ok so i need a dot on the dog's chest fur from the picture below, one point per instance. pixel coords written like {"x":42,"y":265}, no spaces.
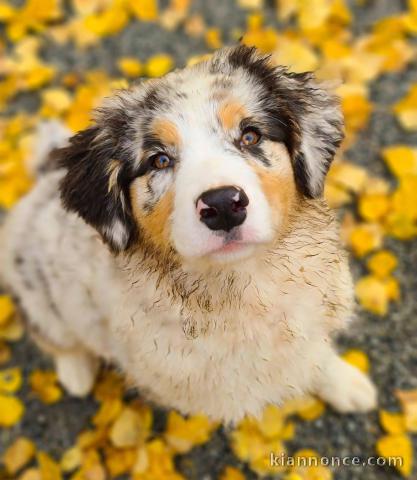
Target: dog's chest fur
{"x":193,"y":342}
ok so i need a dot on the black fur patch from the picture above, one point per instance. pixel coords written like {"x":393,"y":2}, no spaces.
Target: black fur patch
{"x":84,"y":189}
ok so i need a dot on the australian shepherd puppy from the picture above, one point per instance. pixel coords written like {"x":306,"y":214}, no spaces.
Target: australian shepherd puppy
{"x":184,"y":237}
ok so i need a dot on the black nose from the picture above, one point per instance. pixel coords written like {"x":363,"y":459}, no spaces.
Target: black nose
{"x":223,"y":208}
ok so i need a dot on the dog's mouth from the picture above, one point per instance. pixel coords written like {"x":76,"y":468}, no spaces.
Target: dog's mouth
{"x":233,"y":250}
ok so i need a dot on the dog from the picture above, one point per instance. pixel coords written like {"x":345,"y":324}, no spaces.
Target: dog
{"x":184,"y":237}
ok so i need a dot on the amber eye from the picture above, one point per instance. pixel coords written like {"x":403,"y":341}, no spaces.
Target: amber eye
{"x":161,"y":161}
{"x":249,"y":137}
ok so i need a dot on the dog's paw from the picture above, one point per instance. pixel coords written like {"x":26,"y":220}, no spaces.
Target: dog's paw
{"x":76,"y":372}
{"x":347,"y":389}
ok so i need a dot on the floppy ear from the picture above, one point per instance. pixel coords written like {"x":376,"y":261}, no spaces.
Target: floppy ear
{"x":320,"y":130}
{"x":95,"y":186}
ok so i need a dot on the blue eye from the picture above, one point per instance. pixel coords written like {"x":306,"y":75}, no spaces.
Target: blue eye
{"x":249,"y":137}
{"x":161,"y":161}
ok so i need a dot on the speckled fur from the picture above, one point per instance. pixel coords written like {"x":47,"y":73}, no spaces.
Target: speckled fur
{"x":106,"y":261}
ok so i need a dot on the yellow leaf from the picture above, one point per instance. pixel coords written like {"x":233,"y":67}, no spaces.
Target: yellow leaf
{"x":92,"y":467}
{"x":44,"y":385}
{"x":55,"y":101}
{"x":159,"y":65}
{"x":401,"y":160}
{"x":372,"y":294}
{"x":90,"y":439}
{"x":335,"y":195}
{"x":49,"y":469}
{"x":108,"y":21}
{"x":10,"y":380}
{"x":11,"y":410}
{"x":18,"y":454}
{"x":355,"y":106}
{"x":120,"y":461}
{"x":310,"y":408}
{"x":213,"y":38}
{"x":364,"y":238}
{"x":31,"y":474}
{"x":145,"y":10}
{"x":406,"y":109}
{"x":110,"y":385}
{"x":109,"y":410}
{"x":373,"y":207}
{"x":6,"y":309}
{"x":129,"y":66}
{"x":154,"y":462}
{"x":128,"y":430}
{"x":358,"y":359}
{"x":5,"y":353}
{"x":71,"y":459}
{"x":393,"y":423}
{"x":382,"y":263}
{"x":297,"y":54}
{"x":348,"y":176}
{"x":397,"y":446}
{"x":271,"y":422}
{"x":182,"y":434}
{"x":408,"y":401}
{"x":231,"y":473}
{"x":392,"y":288}
{"x":12,"y":331}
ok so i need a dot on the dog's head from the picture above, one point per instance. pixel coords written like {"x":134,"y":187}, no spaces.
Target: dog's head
{"x":207,"y":161}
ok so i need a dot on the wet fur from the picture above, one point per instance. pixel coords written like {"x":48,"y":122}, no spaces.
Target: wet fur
{"x":97,"y":258}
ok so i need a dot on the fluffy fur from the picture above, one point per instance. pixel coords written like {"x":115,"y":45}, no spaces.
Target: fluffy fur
{"x":108,"y":256}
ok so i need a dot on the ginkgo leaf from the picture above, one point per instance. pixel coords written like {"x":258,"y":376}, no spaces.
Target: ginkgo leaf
{"x":11,"y":410}
{"x":400,"y":446}
{"x":18,"y":454}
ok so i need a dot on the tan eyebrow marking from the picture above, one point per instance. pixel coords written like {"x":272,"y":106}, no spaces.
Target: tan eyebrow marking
{"x":231,"y":113}
{"x":166,"y":131}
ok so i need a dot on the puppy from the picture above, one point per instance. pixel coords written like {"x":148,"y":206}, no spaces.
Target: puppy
{"x":184,"y":237}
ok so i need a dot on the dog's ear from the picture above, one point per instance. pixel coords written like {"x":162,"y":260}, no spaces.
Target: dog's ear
{"x":320,"y":131}
{"x":95,"y":186}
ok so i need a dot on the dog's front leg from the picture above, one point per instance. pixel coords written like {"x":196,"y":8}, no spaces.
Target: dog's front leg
{"x":343,"y":386}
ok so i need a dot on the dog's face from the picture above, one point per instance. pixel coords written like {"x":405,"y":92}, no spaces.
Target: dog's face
{"x":206,"y":162}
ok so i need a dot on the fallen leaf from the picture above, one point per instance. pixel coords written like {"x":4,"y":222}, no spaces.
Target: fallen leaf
{"x":10,"y":380}
{"x":399,"y":446}
{"x":71,"y":459}
{"x":11,"y":410}
{"x":358,"y":359}
{"x":18,"y":454}
{"x":44,"y":385}
{"x":406,"y":109}
{"x":159,"y":65}
{"x":231,"y":473}
{"x":130,"y":66}
{"x":382,"y":263}
{"x":372,"y":294}
{"x":392,"y":422}
{"x":6,"y":309}
{"x":128,"y":430}
{"x":408,"y":401}
{"x":182,"y":434}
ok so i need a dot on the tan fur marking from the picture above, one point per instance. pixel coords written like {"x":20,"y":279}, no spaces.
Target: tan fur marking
{"x":280,"y":191}
{"x":166,"y":131}
{"x":230,"y":114}
{"x":154,"y":224}
{"x":113,"y":171}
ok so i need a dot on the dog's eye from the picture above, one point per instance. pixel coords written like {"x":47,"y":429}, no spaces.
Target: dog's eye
{"x":249,"y":137}
{"x":161,"y":161}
